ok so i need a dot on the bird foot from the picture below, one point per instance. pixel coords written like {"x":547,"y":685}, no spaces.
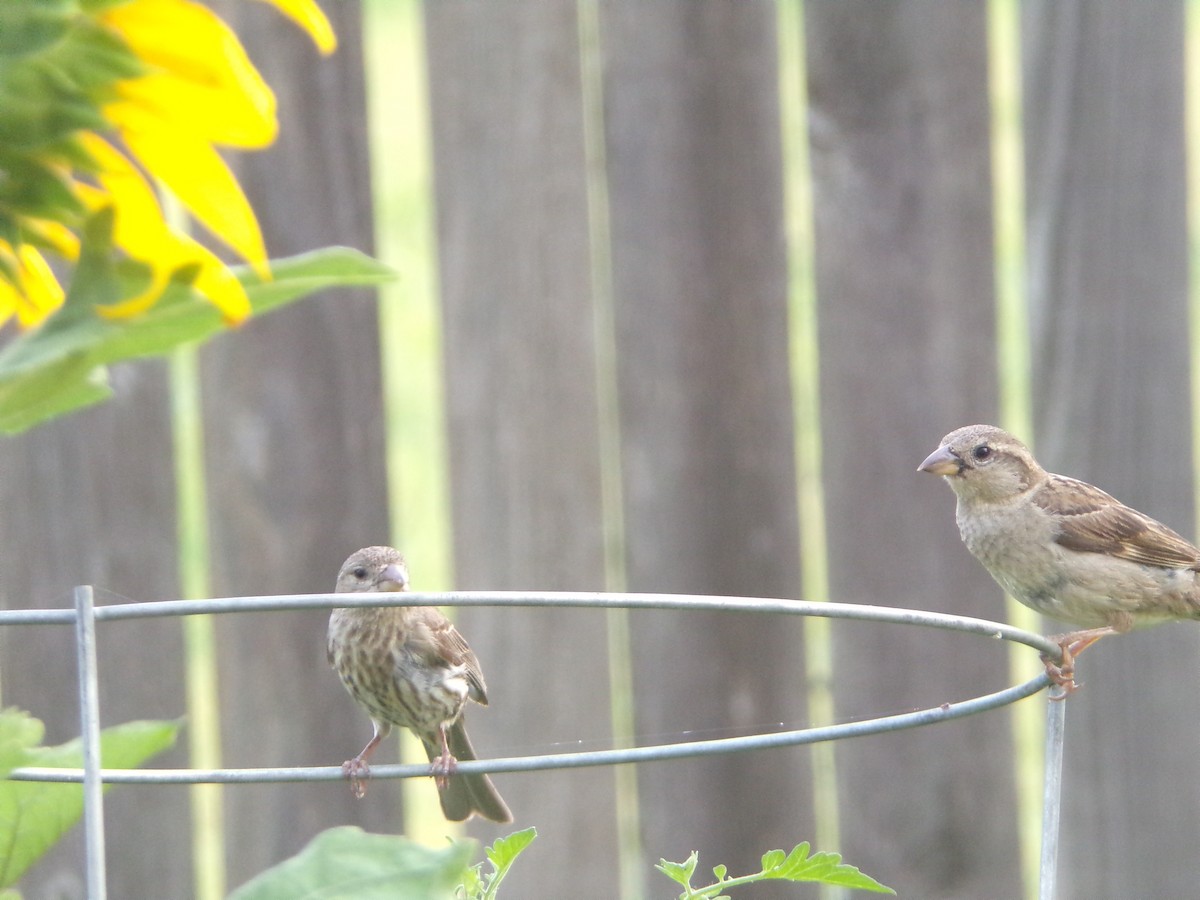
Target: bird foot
{"x":442,"y":768}
{"x":357,"y":771}
{"x":1062,"y":673}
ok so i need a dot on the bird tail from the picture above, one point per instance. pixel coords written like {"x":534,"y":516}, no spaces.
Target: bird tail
{"x":466,"y":794}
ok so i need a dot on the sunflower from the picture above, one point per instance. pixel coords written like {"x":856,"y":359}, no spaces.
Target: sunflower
{"x":98,"y":100}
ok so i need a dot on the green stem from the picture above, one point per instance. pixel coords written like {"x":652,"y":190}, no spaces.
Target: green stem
{"x":200,"y":667}
{"x":620,"y":654}
{"x":805,"y":376}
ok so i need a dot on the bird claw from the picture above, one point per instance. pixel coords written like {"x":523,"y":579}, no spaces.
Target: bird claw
{"x":1062,"y":676}
{"x":357,"y":771}
{"x":442,"y":768}
{"x":1062,"y":673}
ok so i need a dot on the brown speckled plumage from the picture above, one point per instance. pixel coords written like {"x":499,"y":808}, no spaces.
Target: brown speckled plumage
{"x":409,"y":666}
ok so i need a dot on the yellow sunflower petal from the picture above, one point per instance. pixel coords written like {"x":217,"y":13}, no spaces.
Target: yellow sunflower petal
{"x":40,"y":292}
{"x":139,"y":216}
{"x":199,"y":72}
{"x":30,"y":289}
{"x":54,"y":234}
{"x":309,"y":16}
{"x":196,"y":174}
{"x":10,"y":297}
{"x":232,"y":119}
{"x":139,"y":228}
{"x":138,"y":303}
{"x":141,"y":232}
{"x":8,"y":301}
{"x":216,"y":282}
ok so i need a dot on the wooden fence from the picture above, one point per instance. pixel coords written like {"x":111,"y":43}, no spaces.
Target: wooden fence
{"x":650,"y":316}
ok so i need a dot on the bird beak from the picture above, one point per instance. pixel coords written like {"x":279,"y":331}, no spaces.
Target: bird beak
{"x":392,"y":578}
{"x":941,"y":462}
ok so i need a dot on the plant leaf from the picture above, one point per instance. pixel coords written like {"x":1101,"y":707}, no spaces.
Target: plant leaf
{"x":826,"y":868}
{"x":347,"y":863}
{"x":19,"y":733}
{"x":679,"y":872}
{"x":506,"y":849}
{"x":34,"y":814}
{"x":470,"y":885}
{"x":502,"y":854}
{"x":772,"y":859}
{"x":60,"y":366}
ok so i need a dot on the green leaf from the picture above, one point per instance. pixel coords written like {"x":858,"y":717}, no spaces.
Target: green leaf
{"x":34,"y":814}
{"x":98,"y":6}
{"x":470,"y":885}
{"x":60,"y":367}
{"x":506,"y":849}
{"x":347,"y":863}
{"x":34,"y":186}
{"x":502,"y":854}
{"x":19,"y":733}
{"x":30,"y":399}
{"x":680,"y":872}
{"x":826,"y":868}
{"x":772,"y":858}
{"x":56,"y":88}
{"x":26,"y":28}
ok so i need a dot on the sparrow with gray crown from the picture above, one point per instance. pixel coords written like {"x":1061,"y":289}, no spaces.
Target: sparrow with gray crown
{"x":1062,"y":546}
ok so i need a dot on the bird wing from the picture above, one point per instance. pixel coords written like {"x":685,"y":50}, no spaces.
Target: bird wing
{"x":451,"y":649}
{"x":464,"y":655}
{"x":1091,"y":521}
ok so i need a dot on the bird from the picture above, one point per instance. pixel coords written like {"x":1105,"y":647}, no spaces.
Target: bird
{"x":408,"y":666}
{"x":1062,"y":546}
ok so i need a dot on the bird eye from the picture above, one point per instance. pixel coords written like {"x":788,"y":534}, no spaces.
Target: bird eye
{"x":360,"y":572}
{"x":981,"y":453}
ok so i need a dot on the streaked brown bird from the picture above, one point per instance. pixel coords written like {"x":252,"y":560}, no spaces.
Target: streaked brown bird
{"x":1062,"y":546}
{"x":409,"y":666}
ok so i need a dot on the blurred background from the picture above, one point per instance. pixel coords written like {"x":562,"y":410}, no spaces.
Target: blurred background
{"x":687,"y":291}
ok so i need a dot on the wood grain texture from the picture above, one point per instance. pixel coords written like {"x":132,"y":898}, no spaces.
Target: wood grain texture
{"x":512,"y":227}
{"x":699,"y":275}
{"x":901,"y":188}
{"x":1108,"y":282}
{"x":294,"y":442}
{"x":89,"y":499}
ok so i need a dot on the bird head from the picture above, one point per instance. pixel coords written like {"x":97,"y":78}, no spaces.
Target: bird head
{"x":373,"y":569}
{"x":983,"y":463}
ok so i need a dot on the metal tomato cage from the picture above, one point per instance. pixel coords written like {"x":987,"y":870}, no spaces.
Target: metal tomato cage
{"x":85,"y":615}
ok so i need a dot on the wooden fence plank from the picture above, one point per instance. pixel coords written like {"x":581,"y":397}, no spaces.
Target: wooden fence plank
{"x":522,"y":411}
{"x":700,"y":283}
{"x":900,"y":160}
{"x":90,"y":500}
{"x":1108,"y":279}
{"x":899,"y":137}
{"x":293,"y":419}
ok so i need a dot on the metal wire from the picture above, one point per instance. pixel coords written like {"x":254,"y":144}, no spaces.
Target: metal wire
{"x":89,"y":725}
{"x":569,"y":599}
{"x":1056,"y":724}
{"x":85,"y":616}
{"x":566,"y":760}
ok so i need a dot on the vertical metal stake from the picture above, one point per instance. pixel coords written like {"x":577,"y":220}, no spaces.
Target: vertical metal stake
{"x":1056,"y":716}
{"x":89,"y":729}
